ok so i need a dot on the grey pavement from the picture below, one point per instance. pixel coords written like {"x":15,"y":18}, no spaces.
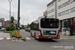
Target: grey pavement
{"x":67,"y":36}
{"x":27,"y":34}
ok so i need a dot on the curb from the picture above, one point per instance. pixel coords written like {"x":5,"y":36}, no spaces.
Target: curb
{"x":68,"y":37}
{"x":9,"y":33}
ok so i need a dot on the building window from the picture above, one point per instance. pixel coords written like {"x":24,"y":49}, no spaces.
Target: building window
{"x":51,"y":5}
{"x":51,"y":16}
{"x":65,"y":4}
{"x":73,"y":9}
{"x":66,"y":12}
{"x":59,"y":14}
{"x":50,"y":11}
{"x":71,"y":1}
{"x":59,"y":0}
{"x":67,"y":23}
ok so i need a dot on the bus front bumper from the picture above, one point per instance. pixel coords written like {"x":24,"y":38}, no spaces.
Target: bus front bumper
{"x":44,"y":37}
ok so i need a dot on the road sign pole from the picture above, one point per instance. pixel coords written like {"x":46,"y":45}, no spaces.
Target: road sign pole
{"x":18,"y":32}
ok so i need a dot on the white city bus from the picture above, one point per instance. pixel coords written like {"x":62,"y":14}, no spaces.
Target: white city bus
{"x":45,"y":28}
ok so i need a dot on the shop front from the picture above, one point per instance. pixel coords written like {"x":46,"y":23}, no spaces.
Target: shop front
{"x":73,"y":22}
{"x":66,"y":24}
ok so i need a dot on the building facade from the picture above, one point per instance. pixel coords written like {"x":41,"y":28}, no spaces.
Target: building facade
{"x":6,"y":24}
{"x":45,"y":13}
{"x":63,"y":10}
{"x":51,"y":9}
{"x":1,"y":22}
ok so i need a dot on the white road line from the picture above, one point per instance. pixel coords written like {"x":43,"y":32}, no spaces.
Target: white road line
{"x":8,"y":38}
{"x":27,"y":38}
{"x":1,"y":38}
{"x":32,"y":38}
{"x":64,"y":38}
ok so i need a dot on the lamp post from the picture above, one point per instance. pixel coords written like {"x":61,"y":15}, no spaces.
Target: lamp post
{"x":13,"y":13}
{"x":18,"y":32}
{"x":10,"y":13}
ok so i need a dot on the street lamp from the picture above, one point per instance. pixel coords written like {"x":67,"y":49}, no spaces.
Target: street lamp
{"x":18,"y":32}
{"x":13,"y":13}
{"x":10,"y":13}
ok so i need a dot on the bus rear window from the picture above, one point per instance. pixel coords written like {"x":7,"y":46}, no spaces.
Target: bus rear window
{"x":49,"y":23}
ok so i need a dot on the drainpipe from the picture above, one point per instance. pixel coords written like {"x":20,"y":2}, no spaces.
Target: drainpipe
{"x":55,"y":8}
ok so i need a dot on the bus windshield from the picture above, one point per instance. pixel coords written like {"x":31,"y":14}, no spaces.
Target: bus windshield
{"x":49,"y":23}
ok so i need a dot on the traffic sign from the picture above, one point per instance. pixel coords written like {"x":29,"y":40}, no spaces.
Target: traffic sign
{"x":18,"y":28}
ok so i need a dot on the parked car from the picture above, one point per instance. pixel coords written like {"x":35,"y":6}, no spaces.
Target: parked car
{"x":27,"y":29}
{"x":2,"y":29}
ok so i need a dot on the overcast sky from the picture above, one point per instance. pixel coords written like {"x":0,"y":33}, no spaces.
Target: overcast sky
{"x":30,"y":9}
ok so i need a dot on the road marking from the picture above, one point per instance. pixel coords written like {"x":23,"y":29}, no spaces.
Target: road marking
{"x":64,"y":38}
{"x":32,"y":38}
{"x":5,"y":38}
{"x":27,"y":38}
{"x":1,"y":38}
{"x":8,"y":38}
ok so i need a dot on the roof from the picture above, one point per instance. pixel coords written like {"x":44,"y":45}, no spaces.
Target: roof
{"x":51,"y":2}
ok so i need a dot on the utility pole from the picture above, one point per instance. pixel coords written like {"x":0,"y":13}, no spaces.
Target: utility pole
{"x":13,"y":13}
{"x":18,"y":28}
{"x":10,"y":13}
{"x":55,"y":8}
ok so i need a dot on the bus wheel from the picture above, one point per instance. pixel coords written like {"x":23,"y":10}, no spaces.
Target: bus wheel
{"x":31,"y":34}
{"x":35,"y":36}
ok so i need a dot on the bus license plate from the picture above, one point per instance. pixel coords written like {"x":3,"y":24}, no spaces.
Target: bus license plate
{"x":49,"y":32}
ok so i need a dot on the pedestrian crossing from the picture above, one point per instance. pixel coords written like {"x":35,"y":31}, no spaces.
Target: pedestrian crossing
{"x":64,"y":38}
{"x":27,"y":38}
{"x":4,"y":36}
{"x":5,"y":39}
{"x":1,"y":38}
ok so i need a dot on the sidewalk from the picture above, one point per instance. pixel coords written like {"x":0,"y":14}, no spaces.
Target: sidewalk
{"x":4,"y":36}
{"x":68,"y":37}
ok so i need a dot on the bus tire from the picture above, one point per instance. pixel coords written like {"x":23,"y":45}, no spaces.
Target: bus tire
{"x":31,"y":34}
{"x":35,"y":36}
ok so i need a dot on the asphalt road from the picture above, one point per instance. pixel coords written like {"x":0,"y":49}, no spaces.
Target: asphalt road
{"x":32,"y":44}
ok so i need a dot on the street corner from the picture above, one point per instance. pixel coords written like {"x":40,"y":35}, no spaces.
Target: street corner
{"x":4,"y":36}
{"x":16,"y":39}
